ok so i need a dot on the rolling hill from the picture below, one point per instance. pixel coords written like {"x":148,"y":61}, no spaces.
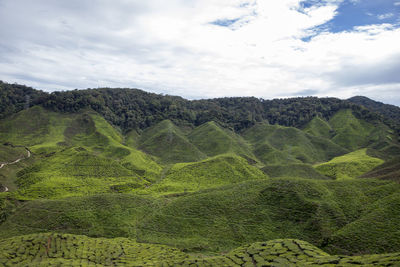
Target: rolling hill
{"x":125,"y":177}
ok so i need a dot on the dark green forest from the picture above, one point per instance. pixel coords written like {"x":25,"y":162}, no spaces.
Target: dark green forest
{"x":136,"y":109}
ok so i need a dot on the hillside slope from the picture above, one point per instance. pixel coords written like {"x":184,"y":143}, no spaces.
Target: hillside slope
{"x":274,"y":144}
{"x":167,"y":142}
{"x":213,"y":140}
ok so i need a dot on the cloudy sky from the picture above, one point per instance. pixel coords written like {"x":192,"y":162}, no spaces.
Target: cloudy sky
{"x":205,"y":48}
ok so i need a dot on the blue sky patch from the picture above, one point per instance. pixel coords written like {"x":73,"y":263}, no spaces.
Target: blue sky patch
{"x":225,"y":22}
{"x":358,"y":13}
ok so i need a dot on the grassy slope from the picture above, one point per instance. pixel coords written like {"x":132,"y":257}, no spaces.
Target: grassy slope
{"x":349,"y":166}
{"x":46,"y":133}
{"x":212,"y":172}
{"x":74,"y":172}
{"x":10,"y":154}
{"x":220,"y":219}
{"x":105,"y":215}
{"x":353,"y":133}
{"x":8,"y":172}
{"x":299,"y":170}
{"x":389,"y":170}
{"x":377,"y":231}
{"x":64,"y":249}
{"x":213,"y":140}
{"x":275,"y":144}
{"x":319,"y":127}
{"x":167,"y":142}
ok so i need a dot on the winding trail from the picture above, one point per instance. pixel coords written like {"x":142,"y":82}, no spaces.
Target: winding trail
{"x":15,"y":161}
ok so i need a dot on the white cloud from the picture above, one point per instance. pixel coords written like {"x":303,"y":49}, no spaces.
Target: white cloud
{"x":173,"y":48}
{"x":385,"y":16}
{"x":396,"y":3}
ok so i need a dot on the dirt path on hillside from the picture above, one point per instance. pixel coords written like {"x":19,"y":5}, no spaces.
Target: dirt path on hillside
{"x":15,"y":161}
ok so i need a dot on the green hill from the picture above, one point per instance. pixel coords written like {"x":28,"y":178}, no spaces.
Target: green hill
{"x":212,"y":172}
{"x":10,"y":154}
{"x":46,"y":132}
{"x":350,"y":165}
{"x":167,"y":142}
{"x":223,"y":218}
{"x":299,"y":170}
{"x":389,"y":170}
{"x":377,"y":230}
{"x":172,"y":182}
{"x":319,"y":127}
{"x":103,"y":215}
{"x":213,"y":140}
{"x":350,"y":132}
{"x":74,"y":172}
{"x":274,"y":144}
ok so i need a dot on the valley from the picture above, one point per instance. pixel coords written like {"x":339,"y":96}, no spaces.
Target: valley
{"x":164,"y":181}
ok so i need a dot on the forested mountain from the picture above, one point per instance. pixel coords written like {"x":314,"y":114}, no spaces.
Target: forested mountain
{"x":390,"y":112}
{"x":125,"y":177}
{"x":136,"y":109}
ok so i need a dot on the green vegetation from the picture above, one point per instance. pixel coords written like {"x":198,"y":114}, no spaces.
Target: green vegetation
{"x":377,"y":230}
{"x":63,"y":249}
{"x":212,"y":172}
{"x":389,"y":170}
{"x":319,"y":127}
{"x":135,"y":109}
{"x":350,"y":132}
{"x":213,"y":140}
{"x":10,"y":154}
{"x":226,"y":217}
{"x":175,"y":182}
{"x":74,"y":172}
{"x":299,"y":170}
{"x":274,"y":144}
{"x":104,"y":215}
{"x":349,"y":166}
{"x":167,"y":142}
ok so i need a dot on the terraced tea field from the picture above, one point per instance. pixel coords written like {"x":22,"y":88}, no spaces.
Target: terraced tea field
{"x":72,"y":250}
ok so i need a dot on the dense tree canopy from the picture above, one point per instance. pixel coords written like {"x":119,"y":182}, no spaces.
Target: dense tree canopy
{"x":136,"y":109}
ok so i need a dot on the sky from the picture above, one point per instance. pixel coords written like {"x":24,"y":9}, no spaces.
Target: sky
{"x":205,"y":48}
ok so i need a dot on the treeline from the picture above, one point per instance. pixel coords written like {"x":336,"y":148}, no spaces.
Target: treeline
{"x":390,"y":112}
{"x":15,"y":97}
{"x":136,"y":109}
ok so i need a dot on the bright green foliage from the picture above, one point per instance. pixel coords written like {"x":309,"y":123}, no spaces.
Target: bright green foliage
{"x":319,"y":127}
{"x":46,"y":132}
{"x":389,"y":170}
{"x":274,"y":144}
{"x":229,"y":216}
{"x":9,"y":172}
{"x":213,"y":140}
{"x":9,"y":154}
{"x":74,"y":172}
{"x":299,"y":170}
{"x":212,"y":172}
{"x":62,"y":249}
{"x":35,"y":128}
{"x":377,"y":231}
{"x":105,"y":215}
{"x":350,"y":132}
{"x":73,"y":250}
{"x":289,"y":252}
{"x":222,"y":218}
{"x":167,"y":142}
{"x":349,"y":166}
{"x":131,"y":139}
